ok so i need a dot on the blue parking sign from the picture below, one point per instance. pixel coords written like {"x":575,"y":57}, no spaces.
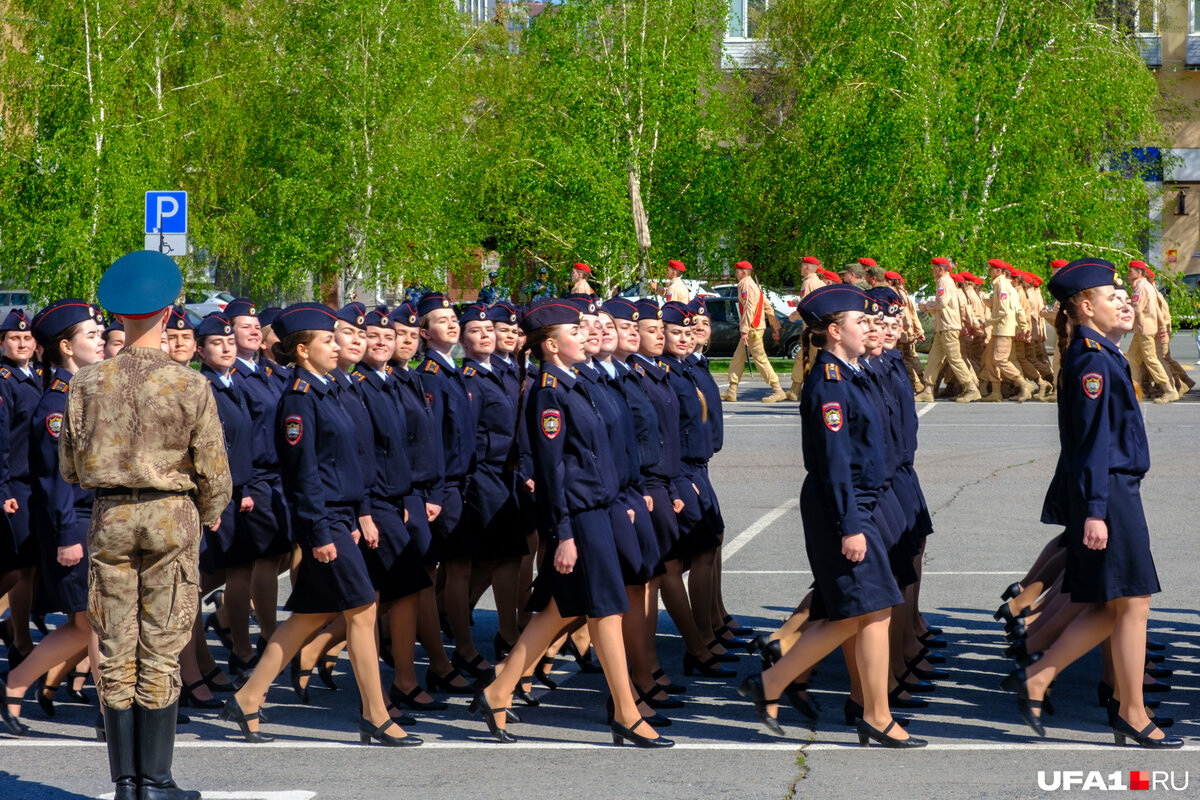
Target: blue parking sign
{"x":168,"y":209}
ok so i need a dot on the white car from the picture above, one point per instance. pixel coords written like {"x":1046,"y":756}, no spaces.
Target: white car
{"x":696,"y":288}
{"x":784,"y":304}
{"x":205,"y":303}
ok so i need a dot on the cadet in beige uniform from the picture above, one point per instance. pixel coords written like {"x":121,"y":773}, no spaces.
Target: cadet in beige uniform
{"x":974,"y":340}
{"x":142,"y":433}
{"x":911,"y":332}
{"x":810,"y":266}
{"x":579,"y":276}
{"x":1050,"y":314}
{"x":1147,"y":329}
{"x":1037,"y":341}
{"x":947,"y":325}
{"x":674,"y":290}
{"x":1006,"y":321}
{"x":754,"y":312}
{"x":1183,"y":384}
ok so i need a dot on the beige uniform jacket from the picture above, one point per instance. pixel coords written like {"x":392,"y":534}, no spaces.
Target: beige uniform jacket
{"x":811,"y":283}
{"x":1145,"y":307}
{"x":752,"y":306}
{"x":1007,"y":316}
{"x":970,"y":316}
{"x":1164,"y":314}
{"x":945,"y":306}
{"x":676,"y":291}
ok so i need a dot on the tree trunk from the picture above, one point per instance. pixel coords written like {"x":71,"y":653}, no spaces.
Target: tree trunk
{"x":641,"y":225}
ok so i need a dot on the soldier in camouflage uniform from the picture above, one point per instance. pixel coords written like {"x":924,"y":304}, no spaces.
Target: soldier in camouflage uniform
{"x":143,"y":434}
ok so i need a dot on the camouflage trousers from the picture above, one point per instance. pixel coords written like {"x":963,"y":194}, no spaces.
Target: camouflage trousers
{"x":143,"y":591}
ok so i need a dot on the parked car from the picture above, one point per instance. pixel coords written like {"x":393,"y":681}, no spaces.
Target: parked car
{"x":782,"y":301}
{"x":697,"y":289}
{"x":723,"y":313}
{"x":11,"y":299}
{"x":204,"y":303}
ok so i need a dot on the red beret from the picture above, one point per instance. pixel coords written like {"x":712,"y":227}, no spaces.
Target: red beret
{"x":977,"y":279}
{"x":1058,"y":263}
{"x":583,"y":268}
{"x":893,"y":276}
{"x":941,"y":261}
{"x":677,"y":265}
{"x":1149,"y":273}
{"x":957,"y":276}
{"x":833,"y":276}
{"x":743,"y":265}
{"x":996,"y":263}
{"x":1138,"y":264}
{"x":1037,"y":281}
{"x":812,"y":260}
{"x":968,"y":275}
{"x":868,"y":262}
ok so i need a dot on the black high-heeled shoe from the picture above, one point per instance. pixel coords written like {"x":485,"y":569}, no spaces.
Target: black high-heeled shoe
{"x":409,"y":699}
{"x":187,"y":697}
{"x":752,"y":689}
{"x":1016,"y":682}
{"x":1159,"y":672}
{"x":935,"y":630}
{"x":1122,"y":730}
{"x":1155,"y":646}
{"x":802,"y":704}
{"x":325,"y":665}
{"x":11,"y":721}
{"x":368,"y":732}
{"x":524,"y":691}
{"x":224,"y":635}
{"x":471,"y":667}
{"x":445,"y":683}
{"x":932,"y":642}
{"x":769,"y":650}
{"x":296,"y":673}
{"x":46,"y":701}
{"x":621,"y":734}
{"x":926,"y":674}
{"x":669,"y":688}
{"x":15,"y":657}
{"x":480,"y":706}
{"x":1114,"y":710}
{"x":501,"y":647}
{"x":867,"y":734}
{"x":710,"y":668}
{"x":1016,"y":630}
{"x":39,"y":622}
{"x":541,"y":672}
{"x":934,"y":658}
{"x":1018,"y":652}
{"x":655,"y":720}
{"x":1004,"y":614}
{"x":214,"y":687}
{"x":853,"y":712}
{"x":77,"y":696}
{"x":922,"y":686}
{"x":1155,"y":688}
{"x":238,"y":665}
{"x":730,"y":642}
{"x":657,"y":698}
{"x":1155,"y":658}
{"x":1012,"y":591}
{"x":232,"y":712}
{"x":896,"y":701}
{"x":585,"y":662}
{"x":396,"y":715}
{"x":738,"y":630}
{"x":724,"y":658}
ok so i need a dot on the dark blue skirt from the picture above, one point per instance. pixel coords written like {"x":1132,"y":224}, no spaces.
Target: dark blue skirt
{"x":395,"y":565}
{"x":889,"y":517}
{"x":451,"y":539}
{"x":263,"y":531}
{"x":1125,"y":567}
{"x":912,"y":499}
{"x":227,"y":546}
{"x":596,"y":587}
{"x":664,"y":520}
{"x":64,"y":589}
{"x":636,"y":543}
{"x":493,"y":516}
{"x":339,"y":585}
{"x":24,"y":550}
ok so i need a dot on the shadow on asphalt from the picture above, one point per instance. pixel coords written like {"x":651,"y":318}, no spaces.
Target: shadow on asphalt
{"x":12,"y":786}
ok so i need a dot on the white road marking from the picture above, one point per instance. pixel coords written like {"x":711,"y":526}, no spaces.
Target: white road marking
{"x":762,"y":523}
{"x":1032,"y":747}
{"x":928,"y":407}
{"x":295,"y":794}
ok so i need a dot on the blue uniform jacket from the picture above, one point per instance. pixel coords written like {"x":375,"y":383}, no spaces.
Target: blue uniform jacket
{"x":278,"y":371}
{"x":319,"y":456}
{"x":902,"y":390}
{"x":695,"y":438}
{"x":426,"y":457}
{"x":492,"y":483}
{"x":666,"y":406}
{"x":698,"y":368}
{"x":351,"y":397}
{"x":607,"y":398}
{"x":20,"y":394}
{"x":54,"y":500}
{"x":511,"y":374}
{"x":1100,"y":429}
{"x":238,"y":427}
{"x":645,"y":418}
{"x":573,"y":461}
{"x":452,"y":405}
{"x":875,"y":379}
{"x":262,"y":390}
{"x":841,"y":440}
{"x":393,"y":471}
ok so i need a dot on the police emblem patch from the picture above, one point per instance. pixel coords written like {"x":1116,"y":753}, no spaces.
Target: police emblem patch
{"x":551,"y":422}
{"x":54,"y":423}
{"x":293,"y":429}
{"x":1093,"y":384}
{"x":832,"y":413}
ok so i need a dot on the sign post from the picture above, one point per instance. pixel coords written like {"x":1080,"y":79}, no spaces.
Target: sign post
{"x":166,"y":222}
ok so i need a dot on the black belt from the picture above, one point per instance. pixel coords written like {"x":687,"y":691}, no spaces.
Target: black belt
{"x":126,"y":493}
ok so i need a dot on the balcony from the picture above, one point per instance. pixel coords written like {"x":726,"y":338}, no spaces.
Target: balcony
{"x":741,"y":53}
{"x":1150,"y":46}
{"x":1192,"y":59}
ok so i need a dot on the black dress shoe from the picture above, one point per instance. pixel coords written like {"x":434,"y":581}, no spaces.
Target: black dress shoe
{"x":752,"y":689}
{"x":501,"y":647}
{"x":542,"y":672}
{"x":325,"y":665}
{"x":46,"y":701}
{"x":934,"y":658}
{"x":724,"y":658}
{"x":1122,"y":730}
{"x":657,"y":697}
{"x":212,"y":623}
{"x":12,"y":723}
{"x":794,"y":694}
{"x":187,"y":697}
{"x":709,"y":669}
{"x":1015,"y":682}
{"x":921,"y":686}
{"x":669,"y":688}
{"x":1160,"y":672}
{"x":217,"y":688}
{"x":1012,"y":591}
{"x":409,"y":699}
{"x":584,"y":660}
{"x":1155,"y":646}
{"x":621,"y":734}
{"x":1155,"y":688}
{"x":445,"y":683}
{"x":238,"y":665}
{"x":233,"y":712}
{"x":480,"y":705}
{"x":896,"y":701}
{"x":524,"y":692}
{"x":76,"y":695}
{"x":473,"y":667}
{"x":928,"y":674}
{"x":932,"y":642}
{"x":368,"y":733}
{"x":853,"y":712}
{"x":867,"y":734}
{"x":727,"y":621}
{"x":730,"y":642}
{"x":296,"y":672}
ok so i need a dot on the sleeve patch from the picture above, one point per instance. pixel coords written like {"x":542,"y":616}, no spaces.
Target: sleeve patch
{"x":832,"y":413}
{"x":549,"y":380}
{"x":941,"y":291}
{"x":300,"y":386}
{"x":58,"y":386}
{"x":833,"y":372}
{"x":431,"y":366}
{"x":1004,"y":295}
{"x":1093,"y":384}
{"x":551,"y":422}
{"x":293,"y":429}
{"x":54,"y":423}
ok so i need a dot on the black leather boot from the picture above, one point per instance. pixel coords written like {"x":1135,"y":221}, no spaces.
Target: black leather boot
{"x":122,"y":751}
{"x":156,"y":751}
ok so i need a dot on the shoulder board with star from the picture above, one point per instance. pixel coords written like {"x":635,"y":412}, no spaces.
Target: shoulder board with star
{"x":58,"y":386}
{"x":665,"y":367}
{"x":38,"y":371}
{"x":358,"y":376}
{"x":268,"y":370}
{"x":431,"y":366}
{"x":300,"y":386}
{"x":5,"y":373}
{"x":469,"y":372}
{"x":833,"y":372}
{"x":1091,"y":344}
{"x":389,"y":369}
{"x":639,"y":369}
{"x":549,"y":380}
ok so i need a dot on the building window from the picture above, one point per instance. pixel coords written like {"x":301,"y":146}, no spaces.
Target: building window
{"x":479,"y":10}
{"x":1194,"y":17}
{"x":1133,"y":16}
{"x":745,"y":18}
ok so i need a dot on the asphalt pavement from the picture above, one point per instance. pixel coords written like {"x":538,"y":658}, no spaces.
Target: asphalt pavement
{"x":984,"y":469}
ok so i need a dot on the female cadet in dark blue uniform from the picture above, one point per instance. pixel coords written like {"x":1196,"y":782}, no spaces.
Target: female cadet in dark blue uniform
{"x":443,"y":381}
{"x":70,"y":339}
{"x":428,"y":468}
{"x":324,"y":483}
{"x":20,"y":391}
{"x":576,"y":486}
{"x":181,"y":336}
{"x":843,"y":460}
{"x":1096,"y":495}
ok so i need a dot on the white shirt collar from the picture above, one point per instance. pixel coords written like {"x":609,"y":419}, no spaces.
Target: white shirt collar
{"x":249,"y":364}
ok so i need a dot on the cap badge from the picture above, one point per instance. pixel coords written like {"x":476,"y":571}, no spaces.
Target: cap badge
{"x":359,"y":320}
{"x":445,"y":303}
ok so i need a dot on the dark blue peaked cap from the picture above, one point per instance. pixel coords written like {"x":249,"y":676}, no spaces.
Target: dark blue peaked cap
{"x":834,"y":299}
{"x":304,"y":317}
{"x":1081,"y":274}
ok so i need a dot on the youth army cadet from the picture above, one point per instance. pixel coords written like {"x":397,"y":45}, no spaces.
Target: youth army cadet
{"x":810,"y":273}
{"x":754,"y":313}
{"x":143,"y":434}
{"x":579,"y":279}
{"x":912,"y":332}
{"x":674,"y":290}
{"x":948,"y":323}
{"x":1173,"y":367}
{"x":1006,"y":321}
{"x":1148,"y":330}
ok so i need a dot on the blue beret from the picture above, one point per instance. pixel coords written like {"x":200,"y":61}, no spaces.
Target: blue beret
{"x":889,"y":302}
{"x":178,"y":321}
{"x":241,"y":307}
{"x":648,"y":309}
{"x":1082,"y":274}
{"x":57,"y":317}
{"x":406,"y":314}
{"x":476,"y":312}
{"x":15,"y":321}
{"x":549,"y":311}
{"x":697,"y":307}
{"x":214,"y":325}
{"x":674,"y":313}
{"x":501,"y":311}
{"x":304,"y":317}
{"x":139,"y":284}
{"x":431,"y":302}
{"x":586,"y":303}
{"x":622,"y":308}
{"x":265,"y":317}
{"x":834,"y":299}
{"x":353,"y":314}
{"x":379,"y":317}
